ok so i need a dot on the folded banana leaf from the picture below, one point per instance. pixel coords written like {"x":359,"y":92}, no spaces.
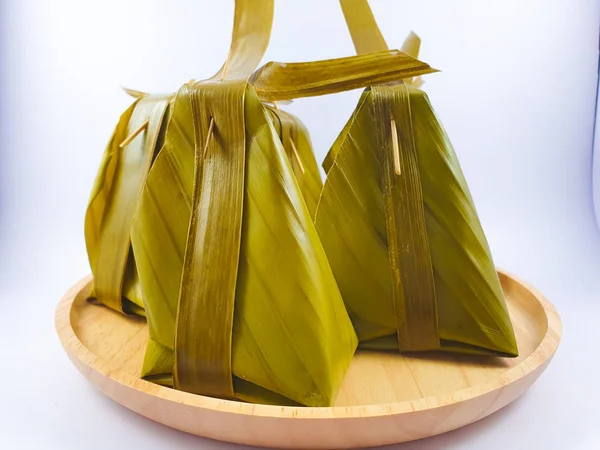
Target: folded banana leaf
{"x":277,"y":81}
{"x":121,"y":176}
{"x":401,"y":231}
{"x":291,"y":334}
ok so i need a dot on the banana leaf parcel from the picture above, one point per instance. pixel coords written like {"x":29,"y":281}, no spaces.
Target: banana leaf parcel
{"x":399,"y":225}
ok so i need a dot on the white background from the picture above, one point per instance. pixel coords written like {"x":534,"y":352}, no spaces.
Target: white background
{"x":516,"y":95}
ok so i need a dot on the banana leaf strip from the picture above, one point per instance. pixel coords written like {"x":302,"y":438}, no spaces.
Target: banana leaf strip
{"x":283,"y":81}
{"x":204,"y":320}
{"x":365,"y":33}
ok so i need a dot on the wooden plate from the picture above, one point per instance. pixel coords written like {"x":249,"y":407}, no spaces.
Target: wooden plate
{"x":386,"y":398}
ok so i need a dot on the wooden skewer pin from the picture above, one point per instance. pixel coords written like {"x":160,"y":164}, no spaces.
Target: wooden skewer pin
{"x":395,"y":146}
{"x":297,"y":156}
{"x":135,"y":134}
{"x":211,"y":127}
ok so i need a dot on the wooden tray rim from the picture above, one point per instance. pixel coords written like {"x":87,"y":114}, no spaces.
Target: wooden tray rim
{"x":79,"y":353}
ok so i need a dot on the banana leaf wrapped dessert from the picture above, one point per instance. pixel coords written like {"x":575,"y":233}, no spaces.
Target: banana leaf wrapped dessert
{"x":220,"y":246}
{"x":399,"y":225}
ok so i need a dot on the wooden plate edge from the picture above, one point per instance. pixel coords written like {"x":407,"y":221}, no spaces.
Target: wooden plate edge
{"x":90,"y":364}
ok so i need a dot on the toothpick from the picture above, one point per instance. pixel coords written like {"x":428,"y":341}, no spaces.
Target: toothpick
{"x":135,"y":134}
{"x":211,"y":126}
{"x":297,"y":156}
{"x":395,"y":146}
{"x":275,"y":105}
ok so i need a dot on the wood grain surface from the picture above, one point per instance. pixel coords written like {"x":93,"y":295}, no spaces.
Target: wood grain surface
{"x":386,"y":397}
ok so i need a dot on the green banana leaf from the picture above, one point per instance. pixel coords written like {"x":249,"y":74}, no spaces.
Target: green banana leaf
{"x":353,"y":222}
{"x":291,"y":334}
{"x":277,"y":81}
